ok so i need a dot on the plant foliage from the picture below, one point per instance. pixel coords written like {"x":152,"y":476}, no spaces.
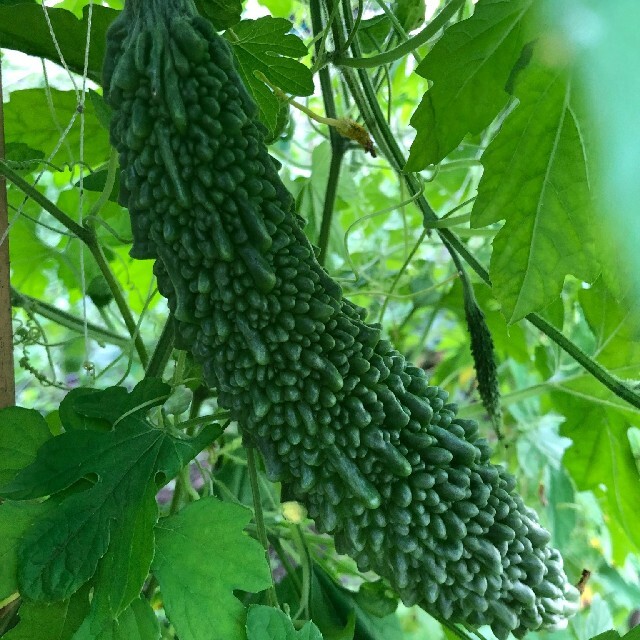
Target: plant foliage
{"x":487,"y":238}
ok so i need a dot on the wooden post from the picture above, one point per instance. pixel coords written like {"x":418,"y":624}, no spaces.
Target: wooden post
{"x":7,"y":376}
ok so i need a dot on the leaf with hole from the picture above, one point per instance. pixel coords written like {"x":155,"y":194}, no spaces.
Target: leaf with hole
{"x":107,"y":511}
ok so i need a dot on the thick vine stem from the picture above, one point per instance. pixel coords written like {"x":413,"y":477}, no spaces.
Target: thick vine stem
{"x":402,"y":50}
{"x":258,"y":515}
{"x":366,"y":100}
{"x":163,"y":350}
{"x":7,"y":376}
{"x":337,"y":155}
{"x":114,"y":286}
{"x":64,"y":319}
{"x":338,"y":143}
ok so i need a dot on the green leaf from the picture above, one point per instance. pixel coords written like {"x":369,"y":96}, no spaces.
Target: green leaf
{"x":97,"y":180}
{"x":600,"y":460}
{"x":535,"y":178}
{"x":267,"y":623}
{"x":633,"y":436}
{"x":57,"y":621}
{"x":615,"y":326}
{"x":410,"y":13}
{"x":116,"y":514}
{"x":222,"y":13}
{"x":469,"y":66}
{"x":22,"y":433}
{"x":74,"y":420}
{"x":373,"y":32}
{"x":30,"y":119}
{"x":24,"y":27}
{"x":102,"y":109}
{"x":598,"y":619}
{"x":607,"y":64}
{"x":202,"y":555}
{"x":265,"y":45}
{"x":31,"y":258}
{"x":332,"y":606}
{"x":561,"y":509}
{"x":137,"y":622}
{"x":15,"y":519}
{"x":376,"y":599}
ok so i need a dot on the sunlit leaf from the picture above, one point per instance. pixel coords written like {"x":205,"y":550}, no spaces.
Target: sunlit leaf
{"x":535,"y":178}
{"x":469,"y":67}
{"x":202,"y":555}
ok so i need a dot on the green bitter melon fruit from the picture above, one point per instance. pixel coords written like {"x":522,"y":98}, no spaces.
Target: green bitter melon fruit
{"x":355,"y":432}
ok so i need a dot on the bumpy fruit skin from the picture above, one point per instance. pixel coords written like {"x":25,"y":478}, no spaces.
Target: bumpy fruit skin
{"x":355,"y":432}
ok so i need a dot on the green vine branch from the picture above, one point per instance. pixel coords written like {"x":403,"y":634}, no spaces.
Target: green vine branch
{"x":88,"y":236}
{"x":68,"y":320}
{"x":163,"y":350}
{"x":338,"y":143}
{"x":406,"y":48}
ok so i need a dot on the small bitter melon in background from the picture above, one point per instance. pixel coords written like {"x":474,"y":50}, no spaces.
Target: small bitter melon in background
{"x":355,"y":432}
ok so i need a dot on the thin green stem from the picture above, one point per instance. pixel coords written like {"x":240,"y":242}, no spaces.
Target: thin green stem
{"x":259,"y":516}
{"x":613,"y":383}
{"x":305,"y":563}
{"x":163,"y":350}
{"x":114,"y":286}
{"x":356,"y":25}
{"x":338,"y":143}
{"x":396,"y":24}
{"x":64,"y":319}
{"x":108,"y":186}
{"x":401,"y":271}
{"x":447,"y":223}
{"x":78,"y":230}
{"x":331,"y":190}
{"x":404,"y":49}
{"x":288,"y":567}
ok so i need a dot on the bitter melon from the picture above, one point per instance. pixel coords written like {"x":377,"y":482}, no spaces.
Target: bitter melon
{"x":355,"y":432}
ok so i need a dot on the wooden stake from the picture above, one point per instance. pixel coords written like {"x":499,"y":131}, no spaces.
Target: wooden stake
{"x":7,"y":379}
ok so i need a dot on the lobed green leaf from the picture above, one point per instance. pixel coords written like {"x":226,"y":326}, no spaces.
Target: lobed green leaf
{"x":470,"y":66}
{"x":108,"y":510}
{"x":266,"y":46}
{"x":202,"y":555}
{"x":535,"y":178}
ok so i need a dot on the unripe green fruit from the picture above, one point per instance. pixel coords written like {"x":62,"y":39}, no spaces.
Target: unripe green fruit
{"x":355,"y":432}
